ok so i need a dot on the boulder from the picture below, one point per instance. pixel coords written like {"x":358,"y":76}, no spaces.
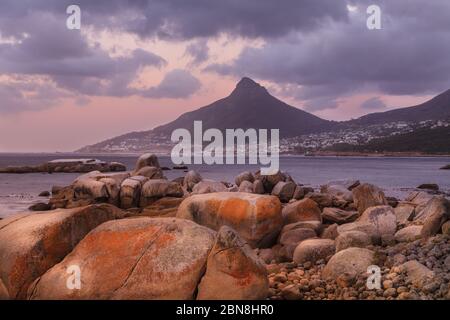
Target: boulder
{"x":246,"y":186}
{"x":322,"y":199}
{"x":347,"y":264}
{"x":367,"y":195}
{"x":40,"y":206}
{"x":417,"y":273}
{"x":256,"y":218}
{"x":144,"y":258}
{"x":382,"y":217}
{"x":244,"y":176}
{"x":330,"y":232}
{"x":408,"y":234}
{"x":338,"y":192}
{"x":313,"y":250}
{"x":150,"y":172}
{"x":117,"y":167}
{"x":146,"y":160}
{"x":368,"y":228}
{"x":164,"y":207}
{"x":209,"y":186}
{"x":30,"y":244}
{"x":429,"y":186}
{"x":130,"y":191}
{"x":446,"y":228}
{"x":356,"y":239}
{"x":191,"y":179}
{"x":434,"y":215}
{"x":284,"y":190}
{"x":335,"y":215}
{"x":349,"y":184}
{"x":233,"y":271}
{"x":299,"y":193}
{"x":291,"y":238}
{"x":44,"y":194}
{"x":446,"y":167}
{"x":302,"y":210}
{"x":404,"y":212}
{"x":313,"y":225}
{"x":258,"y":187}
{"x":153,"y":190}
{"x":4,"y":295}
{"x":270,"y":181}
{"x":419,"y":199}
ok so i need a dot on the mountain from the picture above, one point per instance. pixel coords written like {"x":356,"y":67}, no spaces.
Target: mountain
{"x":250,"y":106}
{"x":437,"y":108}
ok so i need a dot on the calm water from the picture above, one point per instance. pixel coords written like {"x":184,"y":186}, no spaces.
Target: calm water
{"x":396,"y":176}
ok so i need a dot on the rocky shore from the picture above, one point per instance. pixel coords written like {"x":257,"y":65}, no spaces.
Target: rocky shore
{"x":67,"y":166}
{"x":138,"y":235}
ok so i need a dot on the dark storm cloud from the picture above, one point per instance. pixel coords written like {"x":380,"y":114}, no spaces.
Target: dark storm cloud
{"x":181,"y":19}
{"x":373,"y":104}
{"x":409,"y":56}
{"x":314,"y":46}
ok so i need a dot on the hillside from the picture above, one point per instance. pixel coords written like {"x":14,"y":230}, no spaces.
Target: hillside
{"x":430,"y":140}
{"x":437,"y":108}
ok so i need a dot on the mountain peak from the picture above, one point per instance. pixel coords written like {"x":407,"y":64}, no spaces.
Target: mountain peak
{"x":248,"y":86}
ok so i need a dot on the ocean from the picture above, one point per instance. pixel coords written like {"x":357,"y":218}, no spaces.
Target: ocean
{"x":396,"y":175}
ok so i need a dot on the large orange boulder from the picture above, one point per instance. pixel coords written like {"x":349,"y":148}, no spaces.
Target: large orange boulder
{"x":233,"y":271}
{"x":256,"y":218}
{"x":30,"y":244}
{"x":139,"y":258}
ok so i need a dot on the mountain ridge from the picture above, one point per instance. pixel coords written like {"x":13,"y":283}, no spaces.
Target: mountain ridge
{"x":250,"y":105}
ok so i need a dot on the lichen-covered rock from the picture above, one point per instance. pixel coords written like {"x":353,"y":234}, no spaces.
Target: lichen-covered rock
{"x":30,"y":244}
{"x":367,"y":195}
{"x":256,"y":218}
{"x":302,"y":210}
{"x":142,"y":258}
{"x":233,"y":271}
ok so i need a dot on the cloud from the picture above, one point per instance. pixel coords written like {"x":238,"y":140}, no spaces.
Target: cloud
{"x":372,"y":104}
{"x":174,"y":19}
{"x":409,"y":56}
{"x":198,"y":51}
{"x":177,"y":84}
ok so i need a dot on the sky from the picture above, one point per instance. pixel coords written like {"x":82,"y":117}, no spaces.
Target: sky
{"x":136,"y":64}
